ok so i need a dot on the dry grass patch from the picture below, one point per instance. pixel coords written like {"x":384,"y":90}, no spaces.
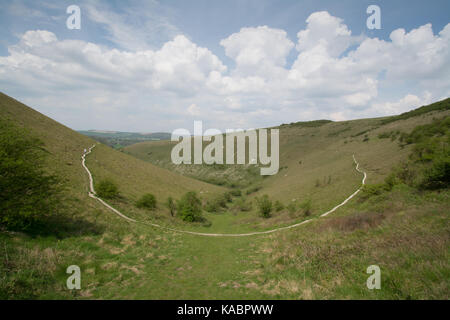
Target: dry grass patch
{"x":363,"y":221}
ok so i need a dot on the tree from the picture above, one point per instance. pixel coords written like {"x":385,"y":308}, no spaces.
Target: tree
{"x":28,"y":194}
{"x":147,"y":201}
{"x":107,"y":189}
{"x":189,"y":207}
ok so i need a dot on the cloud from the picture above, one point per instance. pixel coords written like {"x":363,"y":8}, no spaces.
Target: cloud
{"x":37,"y":38}
{"x":258,"y":51}
{"x":406,"y":103}
{"x":178,"y":66}
{"x":335,"y":75}
{"x":139,"y":26}
{"x":326,"y":32}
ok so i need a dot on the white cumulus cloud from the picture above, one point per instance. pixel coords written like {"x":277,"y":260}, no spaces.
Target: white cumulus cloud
{"x":335,"y":75}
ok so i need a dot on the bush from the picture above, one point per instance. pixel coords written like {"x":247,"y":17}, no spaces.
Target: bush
{"x":429,"y":164}
{"x":306,"y":207}
{"x":370,"y":190}
{"x":215,"y":205}
{"x":107,"y":189}
{"x":236,"y":193}
{"x":278,"y":206}
{"x":243,"y":205}
{"x":170,"y":204}
{"x":212,"y":206}
{"x":147,"y":201}
{"x":218,"y":203}
{"x":405,"y":173}
{"x":438,"y":175}
{"x":227,"y":197}
{"x":422,"y":133}
{"x":264,"y":205}
{"x":189,"y":207}
{"x":28,"y":194}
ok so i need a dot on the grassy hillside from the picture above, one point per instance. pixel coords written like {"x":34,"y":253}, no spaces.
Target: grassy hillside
{"x":315,"y":164}
{"x":405,"y":230}
{"x":66,"y":147}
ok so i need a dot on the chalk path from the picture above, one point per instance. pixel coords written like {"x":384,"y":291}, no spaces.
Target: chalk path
{"x":93,"y":195}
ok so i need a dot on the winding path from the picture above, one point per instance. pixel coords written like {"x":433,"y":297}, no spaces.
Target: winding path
{"x":93,"y":195}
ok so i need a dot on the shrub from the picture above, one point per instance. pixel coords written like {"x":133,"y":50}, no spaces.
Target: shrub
{"x":422,"y":133}
{"x":278,"y":206}
{"x":306,"y":207}
{"x":236,"y":193}
{"x":243,"y":205}
{"x":227,"y":197}
{"x":107,"y":189}
{"x":215,"y":205}
{"x":171,"y":206}
{"x":390,"y":181}
{"x":429,"y":164}
{"x":438,"y":175}
{"x":264,"y":205}
{"x":189,"y":207}
{"x":219,"y":202}
{"x":147,"y":201}
{"x":370,"y":190}
{"x":405,"y":173}
{"x":28,"y":195}
{"x":212,"y":206}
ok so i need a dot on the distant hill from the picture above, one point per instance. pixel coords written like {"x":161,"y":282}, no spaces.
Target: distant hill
{"x":315,"y":157}
{"x":118,"y":140}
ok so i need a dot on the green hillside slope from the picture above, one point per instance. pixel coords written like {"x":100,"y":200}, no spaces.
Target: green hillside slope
{"x":399,"y":227}
{"x":66,"y":146}
{"x":315,"y":162}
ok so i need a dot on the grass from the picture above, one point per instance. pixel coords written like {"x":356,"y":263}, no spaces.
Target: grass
{"x":404,"y":231}
{"x":307,"y":159}
{"x":405,"y":235}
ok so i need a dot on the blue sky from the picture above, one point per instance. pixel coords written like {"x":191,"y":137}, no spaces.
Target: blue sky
{"x":159,"y":65}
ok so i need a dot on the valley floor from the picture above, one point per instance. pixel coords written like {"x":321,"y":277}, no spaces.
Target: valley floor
{"x":405,"y":233}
